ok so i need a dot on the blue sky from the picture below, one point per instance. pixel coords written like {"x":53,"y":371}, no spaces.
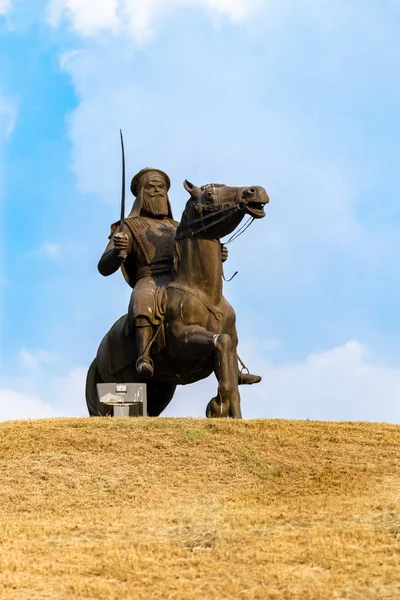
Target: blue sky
{"x":300,"y":96}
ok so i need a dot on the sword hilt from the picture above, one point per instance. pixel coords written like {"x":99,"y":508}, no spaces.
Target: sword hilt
{"x":123,"y":255}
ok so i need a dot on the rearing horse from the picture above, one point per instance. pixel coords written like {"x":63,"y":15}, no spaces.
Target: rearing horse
{"x":199,"y":335}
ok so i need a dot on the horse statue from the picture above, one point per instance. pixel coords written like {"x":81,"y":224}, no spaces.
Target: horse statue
{"x":198,"y":333}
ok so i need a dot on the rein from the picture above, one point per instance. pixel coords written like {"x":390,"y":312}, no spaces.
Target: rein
{"x":225,"y":209}
{"x":241,"y":230}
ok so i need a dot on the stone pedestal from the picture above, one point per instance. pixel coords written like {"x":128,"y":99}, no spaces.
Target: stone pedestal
{"x":124,"y":399}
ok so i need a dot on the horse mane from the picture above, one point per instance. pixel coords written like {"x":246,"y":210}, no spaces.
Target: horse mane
{"x":212,"y":185}
{"x":177,"y":253}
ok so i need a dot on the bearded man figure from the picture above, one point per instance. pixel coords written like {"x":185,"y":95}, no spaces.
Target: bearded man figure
{"x":148,"y":239}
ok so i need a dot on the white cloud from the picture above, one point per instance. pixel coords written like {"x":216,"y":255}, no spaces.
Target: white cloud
{"x":15,"y":405}
{"x":318,"y":191}
{"x":32,"y":361}
{"x":8,"y":115}
{"x":41,"y":395}
{"x":88,"y":17}
{"x":51,"y":250}
{"x":341,"y":384}
{"x":136,"y":17}
{"x":5,"y":6}
{"x":55,"y":251}
{"x":68,"y":393}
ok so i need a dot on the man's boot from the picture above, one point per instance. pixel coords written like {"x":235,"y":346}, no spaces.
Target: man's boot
{"x":144,"y":364}
{"x":248,"y":378}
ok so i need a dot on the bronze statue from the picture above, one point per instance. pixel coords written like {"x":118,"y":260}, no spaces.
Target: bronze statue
{"x":148,"y":241}
{"x":179,"y":327}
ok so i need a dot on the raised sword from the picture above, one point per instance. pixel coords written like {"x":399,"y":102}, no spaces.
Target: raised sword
{"x":122,"y":255}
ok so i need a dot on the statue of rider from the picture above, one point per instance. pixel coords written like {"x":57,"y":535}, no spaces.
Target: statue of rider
{"x":148,"y":241}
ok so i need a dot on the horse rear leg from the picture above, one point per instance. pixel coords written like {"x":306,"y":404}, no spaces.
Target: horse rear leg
{"x":92,"y":398}
{"x":159,"y":395}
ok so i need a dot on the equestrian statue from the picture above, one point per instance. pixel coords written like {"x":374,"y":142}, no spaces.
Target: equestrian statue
{"x":179,"y":327}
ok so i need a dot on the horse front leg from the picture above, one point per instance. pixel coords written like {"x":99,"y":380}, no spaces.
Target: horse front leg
{"x":227,"y":402}
{"x":197,"y":342}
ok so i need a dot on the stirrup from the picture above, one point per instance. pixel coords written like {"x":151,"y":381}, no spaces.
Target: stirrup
{"x":146,"y":365}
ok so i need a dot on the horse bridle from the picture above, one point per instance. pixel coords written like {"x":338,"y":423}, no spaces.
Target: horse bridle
{"x":224,"y":208}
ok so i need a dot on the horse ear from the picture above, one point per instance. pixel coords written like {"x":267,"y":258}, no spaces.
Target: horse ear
{"x":192,"y":189}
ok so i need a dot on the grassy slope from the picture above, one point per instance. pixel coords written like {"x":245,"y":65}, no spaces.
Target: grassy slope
{"x":114,"y":509}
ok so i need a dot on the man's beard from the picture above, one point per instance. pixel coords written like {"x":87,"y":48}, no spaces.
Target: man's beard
{"x":157,"y":206}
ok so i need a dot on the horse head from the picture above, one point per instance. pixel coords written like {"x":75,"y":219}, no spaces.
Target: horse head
{"x":215,"y":210}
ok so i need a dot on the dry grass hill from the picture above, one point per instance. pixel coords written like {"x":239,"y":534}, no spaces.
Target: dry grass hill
{"x":182,"y":509}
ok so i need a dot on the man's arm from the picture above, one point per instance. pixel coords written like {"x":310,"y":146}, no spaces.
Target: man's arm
{"x":110,"y":261}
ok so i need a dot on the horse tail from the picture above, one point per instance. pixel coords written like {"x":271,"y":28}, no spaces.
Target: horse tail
{"x":92,"y":379}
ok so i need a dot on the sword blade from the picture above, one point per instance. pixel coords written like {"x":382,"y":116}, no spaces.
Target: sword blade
{"x":121,"y":225}
{"x":122,"y":255}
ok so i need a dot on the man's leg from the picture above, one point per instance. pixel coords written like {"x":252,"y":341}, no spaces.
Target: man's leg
{"x":144,"y":334}
{"x":141,"y":315}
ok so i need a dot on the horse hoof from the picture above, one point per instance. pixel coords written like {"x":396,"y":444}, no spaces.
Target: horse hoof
{"x":217,"y":410}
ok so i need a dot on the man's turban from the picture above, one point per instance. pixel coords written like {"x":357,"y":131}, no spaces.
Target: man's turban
{"x":146,"y":175}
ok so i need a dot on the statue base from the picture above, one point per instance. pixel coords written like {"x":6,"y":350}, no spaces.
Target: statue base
{"x":124,"y":399}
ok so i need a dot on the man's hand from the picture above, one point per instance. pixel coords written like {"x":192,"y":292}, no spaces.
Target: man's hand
{"x":224,"y":253}
{"x":121,"y":241}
